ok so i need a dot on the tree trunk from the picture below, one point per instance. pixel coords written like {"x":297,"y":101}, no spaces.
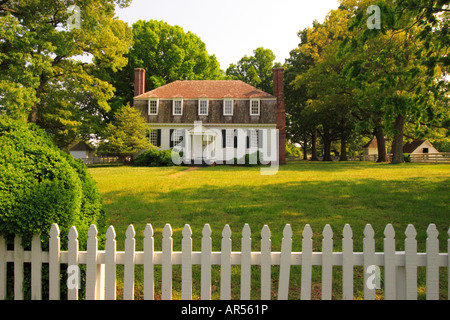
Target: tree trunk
{"x":397,"y":143}
{"x":381,"y":144}
{"x":305,"y":149}
{"x":326,"y":150}
{"x":314,"y":146}
{"x":343,"y":156}
{"x":326,"y":146}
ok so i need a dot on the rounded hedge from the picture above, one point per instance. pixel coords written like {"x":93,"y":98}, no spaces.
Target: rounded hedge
{"x":154,"y":158}
{"x":41,"y":185}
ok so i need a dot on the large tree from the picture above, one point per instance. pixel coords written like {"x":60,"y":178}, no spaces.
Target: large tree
{"x":50,"y":56}
{"x":167,"y":53}
{"x":329,"y":102}
{"x":255,"y":70}
{"x":398,"y":68}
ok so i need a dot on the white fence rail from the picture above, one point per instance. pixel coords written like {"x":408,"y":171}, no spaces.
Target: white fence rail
{"x":400,"y":267}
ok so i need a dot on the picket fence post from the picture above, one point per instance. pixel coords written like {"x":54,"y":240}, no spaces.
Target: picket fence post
{"x":369,"y":260}
{"x":432,"y":248}
{"x":411,"y":262}
{"x":285,"y":264}
{"x":307,"y":245}
{"x":149,"y":249}
{"x":167,"y":247}
{"x":3,"y":264}
{"x":266,"y":263}
{"x":186,"y":264}
{"x":327,"y":262}
{"x":347,"y":263}
{"x":110,"y":264}
{"x":72,"y":293}
{"x":205,"y":291}
{"x":130,"y":247}
{"x":54,"y":263}
{"x":225,"y":264}
{"x":246,"y":260}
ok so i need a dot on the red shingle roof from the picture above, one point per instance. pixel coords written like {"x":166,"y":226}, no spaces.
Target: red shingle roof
{"x":212,"y":89}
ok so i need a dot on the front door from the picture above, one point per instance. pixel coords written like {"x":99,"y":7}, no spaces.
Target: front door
{"x":202,"y":148}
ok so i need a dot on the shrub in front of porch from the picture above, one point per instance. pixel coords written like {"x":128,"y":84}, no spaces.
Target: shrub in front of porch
{"x":154,"y":158}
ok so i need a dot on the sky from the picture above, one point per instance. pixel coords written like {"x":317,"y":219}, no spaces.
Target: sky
{"x":232,"y":29}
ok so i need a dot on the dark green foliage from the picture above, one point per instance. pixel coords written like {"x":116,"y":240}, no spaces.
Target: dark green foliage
{"x":40,"y":185}
{"x":154,"y":158}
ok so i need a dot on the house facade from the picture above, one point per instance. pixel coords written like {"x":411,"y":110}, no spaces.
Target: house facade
{"x":214,"y":121}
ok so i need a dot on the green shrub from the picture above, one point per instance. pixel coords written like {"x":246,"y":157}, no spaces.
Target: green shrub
{"x":154,"y":158}
{"x":407,"y":157}
{"x":41,"y":185}
{"x":250,"y":160}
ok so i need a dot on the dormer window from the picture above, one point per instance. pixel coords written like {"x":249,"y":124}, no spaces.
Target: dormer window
{"x":228,"y":107}
{"x":153,"y":104}
{"x":254,"y":107}
{"x":177,"y":107}
{"x":203,"y":107}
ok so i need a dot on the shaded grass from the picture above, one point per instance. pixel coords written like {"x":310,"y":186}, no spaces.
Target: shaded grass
{"x":301,"y":193}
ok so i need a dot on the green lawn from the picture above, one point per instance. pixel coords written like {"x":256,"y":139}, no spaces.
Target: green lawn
{"x":356,"y":193}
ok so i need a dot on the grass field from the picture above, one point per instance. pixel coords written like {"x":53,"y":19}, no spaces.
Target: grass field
{"x":356,"y":193}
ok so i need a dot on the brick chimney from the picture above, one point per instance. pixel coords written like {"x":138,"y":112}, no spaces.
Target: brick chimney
{"x":278,"y":92}
{"x":139,"y":81}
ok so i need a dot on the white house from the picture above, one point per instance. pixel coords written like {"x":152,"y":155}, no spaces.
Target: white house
{"x":215,"y":120}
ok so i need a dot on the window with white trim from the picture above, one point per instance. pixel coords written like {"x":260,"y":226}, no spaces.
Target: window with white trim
{"x":153,"y":107}
{"x":230,"y":138}
{"x":177,"y":136}
{"x":177,"y":109}
{"x":203,"y":107}
{"x":254,"y":107}
{"x":154,"y":137}
{"x":228,"y":107}
{"x":253,"y":138}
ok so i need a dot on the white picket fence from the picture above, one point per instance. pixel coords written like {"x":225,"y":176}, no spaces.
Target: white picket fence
{"x":400,"y":267}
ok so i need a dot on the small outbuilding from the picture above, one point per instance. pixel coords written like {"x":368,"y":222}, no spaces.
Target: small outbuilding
{"x":82,"y":150}
{"x":419,"y":147}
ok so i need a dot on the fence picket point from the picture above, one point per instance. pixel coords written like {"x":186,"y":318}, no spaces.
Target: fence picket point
{"x":327,"y":262}
{"x":92,"y":268}
{"x":411,"y":262}
{"x":73,"y":252}
{"x":307,"y":234}
{"x":130,"y":248}
{"x":266,"y":263}
{"x":186,"y":268}
{"x":206,"y":263}
{"x":167,"y":247}
{"x":149,"y":251}
{"x":432,"y":248}
{"x":54,"y":263}
{"x":369,"y":260}
{"x":246,"y":248}
{"x":285,"y":264}
{"x":110,"y":264}
{"x":347,"y":263}
{"x":225,"y":264}
{"x":389,"y":263}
